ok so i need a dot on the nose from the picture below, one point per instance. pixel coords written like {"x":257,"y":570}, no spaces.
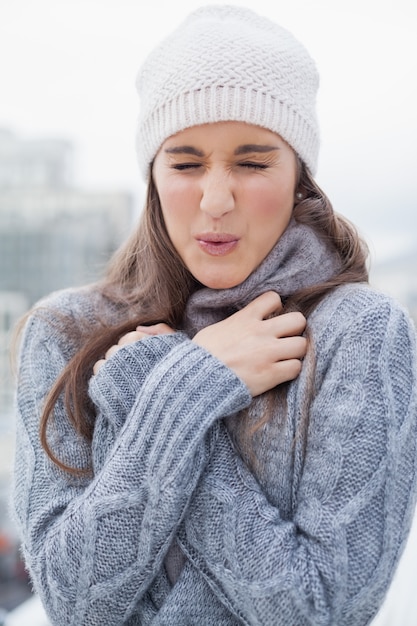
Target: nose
{"x":217,"y":196}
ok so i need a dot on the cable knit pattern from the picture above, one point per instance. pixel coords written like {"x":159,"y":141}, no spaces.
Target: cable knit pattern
{"x":228,"y":63}
{"x":319,"y":549}
{"x":310,"y":537}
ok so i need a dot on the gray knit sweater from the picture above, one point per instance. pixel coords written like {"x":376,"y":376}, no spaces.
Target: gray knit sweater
{"x":288,"y":529}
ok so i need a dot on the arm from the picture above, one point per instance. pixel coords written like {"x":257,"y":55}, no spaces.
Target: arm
{"x":93,"y":546}
{"x":330,"y":562}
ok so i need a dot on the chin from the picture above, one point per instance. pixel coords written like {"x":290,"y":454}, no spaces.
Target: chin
{"x":221,"y":282}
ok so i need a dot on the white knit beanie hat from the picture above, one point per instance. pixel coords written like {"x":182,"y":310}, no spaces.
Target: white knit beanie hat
{"x":228,"y":63}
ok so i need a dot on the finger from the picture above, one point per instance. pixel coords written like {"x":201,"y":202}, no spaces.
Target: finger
{"x":112,"y":350}
{"x":265,"y":305}
{"x":287,"y":325}
{"x":277,"y":373}
{"x":288,"y":348}
{"x":131,"y":337}
{"x":156,"y":329}
{"x":98,"y":365}
{"x":287,"y":370}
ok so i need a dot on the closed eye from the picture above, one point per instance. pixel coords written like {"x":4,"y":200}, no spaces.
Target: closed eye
{"x":181,"y":167}
{"x":253,"y":165}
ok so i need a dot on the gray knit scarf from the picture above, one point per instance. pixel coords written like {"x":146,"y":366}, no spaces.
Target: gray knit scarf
{"x":300,"y":259}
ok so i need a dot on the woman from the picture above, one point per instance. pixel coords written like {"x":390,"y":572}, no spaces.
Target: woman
{"x":229,"y":430}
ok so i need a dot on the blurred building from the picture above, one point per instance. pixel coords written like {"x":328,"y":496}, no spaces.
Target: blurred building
{"x":56,"y":237}
{"x":52,"y":234}
{"x":35,"y":162}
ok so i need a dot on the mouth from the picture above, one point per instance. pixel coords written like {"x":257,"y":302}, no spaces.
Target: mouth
{"x":217,"y":244}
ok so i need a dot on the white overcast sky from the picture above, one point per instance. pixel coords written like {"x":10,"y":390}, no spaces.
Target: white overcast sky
{"x":68,"y":67}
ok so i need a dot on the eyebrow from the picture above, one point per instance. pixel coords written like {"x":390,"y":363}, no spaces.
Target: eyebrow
{"x":185,"y":150}
{"x":253,"y":147}
{"x":244,"y":149}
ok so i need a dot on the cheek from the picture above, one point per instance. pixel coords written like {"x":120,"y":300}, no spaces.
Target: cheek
{"x":177,"y":198}
{"x":175,"y":205}
{"x":270,"y":201}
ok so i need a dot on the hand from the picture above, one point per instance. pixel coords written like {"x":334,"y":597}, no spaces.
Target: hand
{"x":132,"y":337}
{"x":263,"y":351}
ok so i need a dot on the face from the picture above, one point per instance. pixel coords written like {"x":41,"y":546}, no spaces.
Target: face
{"x":227,"y":193}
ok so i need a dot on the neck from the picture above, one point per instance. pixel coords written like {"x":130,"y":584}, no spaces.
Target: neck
{"x":300,"y":259}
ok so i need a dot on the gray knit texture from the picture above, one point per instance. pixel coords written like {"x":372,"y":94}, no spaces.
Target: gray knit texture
{"x":311,"y":536}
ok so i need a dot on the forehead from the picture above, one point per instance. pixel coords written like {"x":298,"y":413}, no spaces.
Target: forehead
{"x":222,"y":134}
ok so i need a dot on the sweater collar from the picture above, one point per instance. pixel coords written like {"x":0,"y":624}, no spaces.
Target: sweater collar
{"x":300,"y":259}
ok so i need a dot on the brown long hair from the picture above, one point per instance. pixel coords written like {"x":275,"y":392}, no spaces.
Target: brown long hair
{"x":147,"y":283}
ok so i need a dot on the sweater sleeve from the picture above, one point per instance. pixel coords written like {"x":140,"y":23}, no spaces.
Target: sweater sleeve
{"x":93,"y":545}
{"x":332,"y":560}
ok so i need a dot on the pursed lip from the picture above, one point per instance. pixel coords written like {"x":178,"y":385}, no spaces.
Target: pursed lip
{"x":217,"y":244}
{"x":216,"y":237}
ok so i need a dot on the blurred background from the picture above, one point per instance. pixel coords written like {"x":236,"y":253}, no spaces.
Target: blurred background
{"x":70,"y":190}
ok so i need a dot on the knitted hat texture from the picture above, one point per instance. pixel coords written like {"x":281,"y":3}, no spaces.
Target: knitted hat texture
{"x":228,"y":63}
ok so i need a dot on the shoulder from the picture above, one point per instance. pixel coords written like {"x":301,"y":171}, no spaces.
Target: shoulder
{"x":353,"y":304}
{"x":77,"y":303}
{"x":364,"y":326}
{"x":64,"y":317}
